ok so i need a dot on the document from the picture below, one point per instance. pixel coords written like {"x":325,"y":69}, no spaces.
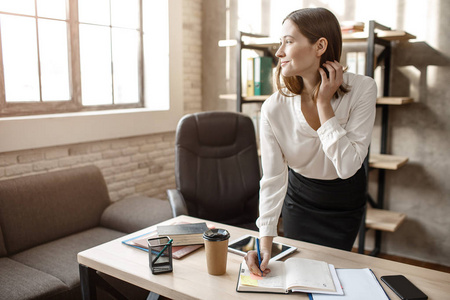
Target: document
{"x":357,"y":284}
{"x":140,"y":242}
{"x":184,"y":234}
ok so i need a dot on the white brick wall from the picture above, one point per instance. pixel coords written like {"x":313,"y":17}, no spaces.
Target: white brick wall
{"x":141,"y":165}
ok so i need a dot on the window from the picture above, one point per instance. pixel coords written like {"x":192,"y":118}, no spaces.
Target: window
{"x":81,"y":55}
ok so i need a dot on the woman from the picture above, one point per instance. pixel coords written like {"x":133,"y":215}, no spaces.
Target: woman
{"x":315,"y":134}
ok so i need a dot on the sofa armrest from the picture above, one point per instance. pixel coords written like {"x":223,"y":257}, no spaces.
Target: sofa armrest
{"x":135,"y":213}
{"x":177,"y":203}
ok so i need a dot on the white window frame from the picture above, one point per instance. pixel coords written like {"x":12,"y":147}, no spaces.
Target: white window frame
{"x":30,"y":132}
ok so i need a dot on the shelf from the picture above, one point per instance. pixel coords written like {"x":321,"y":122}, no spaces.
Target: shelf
{"x":245,"y":98}
{"x":395,"y":35}
{"x":376,"y":218}
{"x":388,"y":35}
{"x":228,"y":97}
{"x":381,"y":101}
{"x":270,"y":42}
{"x":261,"y":42}
{"x":386,"y":161}
{"x":394,"y":100}
{"x":384,"y":220}
{"x":354,"y":37}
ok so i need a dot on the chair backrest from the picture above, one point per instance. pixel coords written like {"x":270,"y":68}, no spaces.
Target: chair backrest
{"x":217,"y":167}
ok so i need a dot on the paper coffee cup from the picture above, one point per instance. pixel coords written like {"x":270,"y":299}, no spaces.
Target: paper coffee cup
{"x":216,"y":248}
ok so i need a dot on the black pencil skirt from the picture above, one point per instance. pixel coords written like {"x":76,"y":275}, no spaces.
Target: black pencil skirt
{"x":324,"y":212}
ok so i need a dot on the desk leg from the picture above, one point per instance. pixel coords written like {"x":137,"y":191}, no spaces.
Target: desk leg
{"x":87,"y":282}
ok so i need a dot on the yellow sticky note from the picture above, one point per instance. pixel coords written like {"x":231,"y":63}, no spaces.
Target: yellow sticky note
{"x":247,"y":280}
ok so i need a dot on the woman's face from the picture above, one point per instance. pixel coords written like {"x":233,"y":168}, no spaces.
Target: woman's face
{"x":297,"y":55}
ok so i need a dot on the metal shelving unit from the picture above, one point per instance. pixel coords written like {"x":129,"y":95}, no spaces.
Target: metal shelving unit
{"x":376,"y":217}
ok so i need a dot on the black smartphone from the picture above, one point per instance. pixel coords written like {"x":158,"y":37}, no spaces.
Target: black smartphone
{"x":404,"y":288}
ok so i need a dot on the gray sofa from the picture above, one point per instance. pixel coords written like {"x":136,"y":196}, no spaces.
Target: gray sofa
{"x":46,"y":219}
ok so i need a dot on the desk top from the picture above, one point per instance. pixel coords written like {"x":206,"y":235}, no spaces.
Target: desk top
{"x":190,"y":279}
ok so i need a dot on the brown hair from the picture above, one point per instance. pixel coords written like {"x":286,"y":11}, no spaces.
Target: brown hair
{"x":314,"y":23}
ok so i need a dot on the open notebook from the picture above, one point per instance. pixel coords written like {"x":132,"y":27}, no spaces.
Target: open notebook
{"x":293,"y":275}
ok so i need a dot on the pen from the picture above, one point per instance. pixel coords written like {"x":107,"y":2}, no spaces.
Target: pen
{"x":162,"y":251}
{"x":259,"y":255}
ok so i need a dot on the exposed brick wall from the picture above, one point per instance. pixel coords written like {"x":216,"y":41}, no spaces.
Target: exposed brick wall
{"x":131,"y":166}
{"x":192,"y":56}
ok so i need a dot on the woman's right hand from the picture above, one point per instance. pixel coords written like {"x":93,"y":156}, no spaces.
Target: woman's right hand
{"x":251,"y":258}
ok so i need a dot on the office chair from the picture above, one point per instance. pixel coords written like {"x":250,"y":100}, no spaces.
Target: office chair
{"x":216,"y":169}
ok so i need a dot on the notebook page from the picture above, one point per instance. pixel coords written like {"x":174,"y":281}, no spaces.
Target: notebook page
{"x":357,"y":284}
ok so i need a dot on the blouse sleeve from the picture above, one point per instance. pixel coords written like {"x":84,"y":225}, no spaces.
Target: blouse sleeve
{"x":273,"y":184}
{"x":347,"y":148}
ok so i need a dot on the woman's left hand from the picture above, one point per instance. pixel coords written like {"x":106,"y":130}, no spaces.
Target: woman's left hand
{"x":330,"y":83}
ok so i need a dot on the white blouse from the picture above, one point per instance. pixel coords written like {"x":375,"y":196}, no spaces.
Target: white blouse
{"x":336,"y":150}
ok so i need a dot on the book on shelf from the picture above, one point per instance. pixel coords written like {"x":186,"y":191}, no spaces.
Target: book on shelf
{"x":250,"y":79}
{"x":262,"y":75}
{"x":356,"y":284}
{"x":140,"y":242}
{"x":293,"y":275}
{"x":352,"y":26}
{"x":184,"y":234}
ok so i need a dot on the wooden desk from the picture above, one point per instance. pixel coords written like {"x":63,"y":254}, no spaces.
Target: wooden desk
{"x":190,"y":279}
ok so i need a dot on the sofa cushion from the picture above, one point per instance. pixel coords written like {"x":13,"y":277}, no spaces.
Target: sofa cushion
{"x":132,"y":214}
{"x":41,"y":208}
{"x":59,"y":258}
{"x":33,"y":283}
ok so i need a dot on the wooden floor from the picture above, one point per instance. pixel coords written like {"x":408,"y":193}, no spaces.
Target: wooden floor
{"x":414,"y":262}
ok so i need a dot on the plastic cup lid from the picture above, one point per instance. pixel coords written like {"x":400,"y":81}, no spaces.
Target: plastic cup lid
{"x":216,"y":235}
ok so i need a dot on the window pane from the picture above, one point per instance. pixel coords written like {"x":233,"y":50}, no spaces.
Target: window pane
{"x":125,"y":13}
{"x":125,"y":65}
{"x":20,"y":58}
{"x":52,"y":9}
{"x":25,"y":7}
{"x":54,"y":60}
{"x":94,"y":11}
{"x":156,"y":45}
{"x":95,"y":61}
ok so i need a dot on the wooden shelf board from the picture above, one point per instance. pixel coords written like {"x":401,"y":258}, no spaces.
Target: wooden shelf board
{"x":395,"y":35}
{"x":228,"y":97}
{"x":256,"y":98}
{"x":263,"y":42}
{"x":244,"y":98}
{"x":359,"y":36}
{"x":387,"y":161}
{"x":354,"y":37}
{"x":252,"y":42}
{"x":385,"y":220}
{"x":388,"y":35}
{"x":394,"y":100}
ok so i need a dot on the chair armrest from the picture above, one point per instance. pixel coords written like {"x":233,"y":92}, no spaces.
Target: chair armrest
{"x":177,"y":203}
{"x":135,"y":213}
